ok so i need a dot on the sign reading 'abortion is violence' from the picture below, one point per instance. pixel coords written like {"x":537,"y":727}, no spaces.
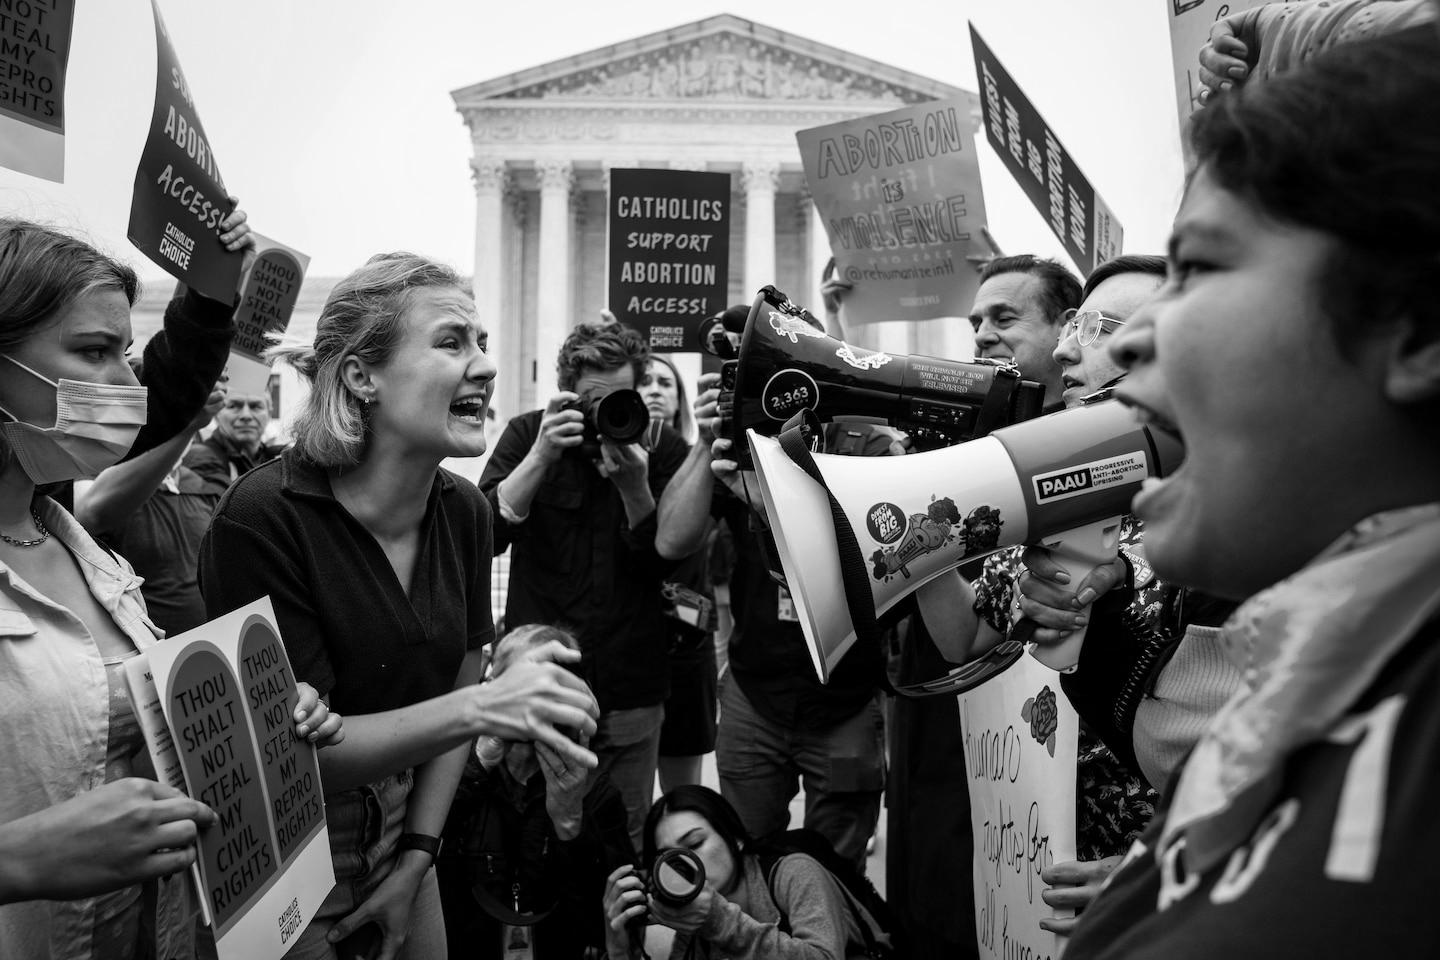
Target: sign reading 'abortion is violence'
{"x":179,"y":198}
{"x":899,"y":194}
{"x":1037,"y":160}
{"x":669,"y":253}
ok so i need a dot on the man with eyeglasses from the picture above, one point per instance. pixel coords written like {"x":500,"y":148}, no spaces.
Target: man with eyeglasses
{"x":1116,"y":289}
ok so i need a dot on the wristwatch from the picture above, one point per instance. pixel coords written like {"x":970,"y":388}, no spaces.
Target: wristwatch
{"x":419,"y":841}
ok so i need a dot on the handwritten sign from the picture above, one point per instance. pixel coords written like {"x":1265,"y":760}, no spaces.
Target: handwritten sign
{"x":34,"y":55}
{"x":217,"y":706}
{"x":669,"y":253}
{"x":267,"y":300}
{"x":1038,"y":161}
{"x":180,"y":199}
{"x":1190,"y":23}
{"x":899,"y":194}
{"x":1020,"y":735}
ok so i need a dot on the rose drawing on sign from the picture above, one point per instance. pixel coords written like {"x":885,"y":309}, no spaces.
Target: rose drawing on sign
{"x":1043,"y":716}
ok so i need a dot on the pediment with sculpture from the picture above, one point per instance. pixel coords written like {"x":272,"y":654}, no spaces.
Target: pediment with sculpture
{"x":718,"y":67}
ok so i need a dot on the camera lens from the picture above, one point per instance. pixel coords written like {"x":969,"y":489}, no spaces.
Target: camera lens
{"x":677,"y":877}
{"x":622,"y":416}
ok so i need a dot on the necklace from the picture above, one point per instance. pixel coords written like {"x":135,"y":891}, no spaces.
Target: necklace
{"x":34,"y":542}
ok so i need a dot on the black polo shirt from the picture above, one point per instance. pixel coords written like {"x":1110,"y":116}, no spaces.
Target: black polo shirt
{"x":577,"y":563}
{"x":348,"y":626}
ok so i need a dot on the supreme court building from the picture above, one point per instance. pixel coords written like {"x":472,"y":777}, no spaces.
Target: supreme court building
{"x":722,"y":94}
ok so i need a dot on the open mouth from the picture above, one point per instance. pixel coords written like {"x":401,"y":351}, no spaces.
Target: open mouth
{"x":471,"y":409}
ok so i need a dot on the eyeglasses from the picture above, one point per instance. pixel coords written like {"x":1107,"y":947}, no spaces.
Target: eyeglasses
{"x":1087,"y":325}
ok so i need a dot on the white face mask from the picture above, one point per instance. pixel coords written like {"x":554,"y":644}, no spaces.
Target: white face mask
{"x":95,"y":425}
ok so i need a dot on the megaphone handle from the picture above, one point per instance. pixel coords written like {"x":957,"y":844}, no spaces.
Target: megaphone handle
{"x":1077,"y":552}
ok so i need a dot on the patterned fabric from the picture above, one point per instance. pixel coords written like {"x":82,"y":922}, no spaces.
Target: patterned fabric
{"x":1112,"y":804}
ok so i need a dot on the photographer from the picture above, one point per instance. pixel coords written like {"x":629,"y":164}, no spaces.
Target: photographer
{"x":580,"y":520}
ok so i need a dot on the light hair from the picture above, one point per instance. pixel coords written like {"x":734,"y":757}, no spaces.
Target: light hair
{"x":43,"y":271}
{"x":363,"y":318}
{"x":683,"y":422}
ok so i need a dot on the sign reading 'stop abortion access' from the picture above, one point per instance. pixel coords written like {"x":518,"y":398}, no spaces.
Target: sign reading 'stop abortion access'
{"x":669,"y":253}
{"x":179,"y":197}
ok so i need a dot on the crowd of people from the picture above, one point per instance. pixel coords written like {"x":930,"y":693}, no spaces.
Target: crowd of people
{"x":1255,"y":680}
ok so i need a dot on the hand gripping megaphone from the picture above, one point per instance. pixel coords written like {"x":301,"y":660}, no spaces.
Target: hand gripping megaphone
{"x":855,"y":536}
{"x":785,"y":364}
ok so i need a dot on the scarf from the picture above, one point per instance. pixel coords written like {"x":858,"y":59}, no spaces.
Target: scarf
{"x":1308,"y":647}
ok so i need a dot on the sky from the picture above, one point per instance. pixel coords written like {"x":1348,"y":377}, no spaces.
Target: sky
{"x":333,"y":121}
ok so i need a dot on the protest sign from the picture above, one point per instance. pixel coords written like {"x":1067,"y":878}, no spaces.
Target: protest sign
{"x":1021,"y":736}
{"x":669,"y":253}
{"x":1190,"y":23}
{"x":179,"y":198}
{"x":1047,"y":173}
{"x":899,"y":194}
{"x":217,"y":707}
{"x":34,"y":54}
{"x":267,"y":299}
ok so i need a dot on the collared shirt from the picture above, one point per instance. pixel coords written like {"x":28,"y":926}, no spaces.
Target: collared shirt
{"x":576,"y":562}
{"x":347,"y":622}
{"x":220,"y":462}
{"x":55,"y":726}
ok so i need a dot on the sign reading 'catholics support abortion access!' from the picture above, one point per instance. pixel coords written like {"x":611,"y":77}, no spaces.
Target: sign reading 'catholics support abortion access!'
{"x":179,"y":198}
{"x":669,"y":253}
{"x":1021,"y":736}
{"x":1040,"y":164}
{"x":899,"y":194}
{"x":217,"y":706}
{"x":34,"y":54}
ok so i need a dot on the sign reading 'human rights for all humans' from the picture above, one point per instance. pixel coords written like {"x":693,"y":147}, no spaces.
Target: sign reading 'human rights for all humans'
{"x":1037,"y":160}
{"x":179,"y":197}
{"x":34,"y":53}
{"x":267,"y":300}
{"x":669,"y":253}
{"x":1021,"y":736}
{"x":899,"y":194}
{"x":217,"y":705}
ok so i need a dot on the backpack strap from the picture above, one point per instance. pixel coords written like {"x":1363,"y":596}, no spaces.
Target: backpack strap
{"x":855,"y":910}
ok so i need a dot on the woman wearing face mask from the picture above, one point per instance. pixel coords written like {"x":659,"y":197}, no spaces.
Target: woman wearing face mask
{"x":377,"y":562}
{"x":75,"y":820}
{"x":794,"y":910}
{"x":688,"y":732}
{"x":1296,"y":349}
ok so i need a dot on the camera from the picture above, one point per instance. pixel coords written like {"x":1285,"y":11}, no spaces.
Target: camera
{"x":620,"y":416}
{"x":675,"y":878}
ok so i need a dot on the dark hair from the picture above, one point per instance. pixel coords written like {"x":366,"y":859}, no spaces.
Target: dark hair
{"x":1129,"y":263}
{"x":708,"y":804}
{"x":602,"y":346}
{"x":1059,"y":288}
{"x":1345,"y":144}
{"x":43,"y":271}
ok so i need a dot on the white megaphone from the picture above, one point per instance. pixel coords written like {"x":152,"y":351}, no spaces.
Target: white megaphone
{"x":855,"y":536}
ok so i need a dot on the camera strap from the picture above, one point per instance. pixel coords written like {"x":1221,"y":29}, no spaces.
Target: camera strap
{"x":796,"y":438}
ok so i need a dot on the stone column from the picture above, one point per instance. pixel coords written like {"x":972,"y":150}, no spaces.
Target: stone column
{"x":490,"y":182}
{"x":552,"y":298}
{"x":759,"y":180}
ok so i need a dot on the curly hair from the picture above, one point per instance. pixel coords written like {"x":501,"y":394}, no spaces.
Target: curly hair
{"x":602,"y":346}
{"x":364,"y":318}
{"x":1341,"y":145}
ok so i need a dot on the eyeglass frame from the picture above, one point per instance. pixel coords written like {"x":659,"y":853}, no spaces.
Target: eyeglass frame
{"x":1079,"y":328}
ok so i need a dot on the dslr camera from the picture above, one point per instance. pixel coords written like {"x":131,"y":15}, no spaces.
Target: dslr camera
{"x":675,"y":878}
{"x":620,"y":416}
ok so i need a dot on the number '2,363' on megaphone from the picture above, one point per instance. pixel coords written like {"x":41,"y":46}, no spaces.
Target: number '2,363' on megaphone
{"x":856,"y":536}
{"x":785,"y":364}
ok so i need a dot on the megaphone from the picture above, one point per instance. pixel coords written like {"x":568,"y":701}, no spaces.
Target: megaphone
{"x":786,"y":364}
{"x":856,"y":536}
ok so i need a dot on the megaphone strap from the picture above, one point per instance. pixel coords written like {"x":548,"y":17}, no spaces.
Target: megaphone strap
{"x":995,"y":408}
{"x":853,"y":574}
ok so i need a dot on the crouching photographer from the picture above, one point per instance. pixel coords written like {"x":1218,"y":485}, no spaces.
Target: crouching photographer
{"x":725,"y":894}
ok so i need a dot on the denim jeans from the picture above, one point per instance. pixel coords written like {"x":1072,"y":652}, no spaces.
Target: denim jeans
{"x":762,"y":765}
{"x":628,"y":745}
{"x":364,"y":825}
